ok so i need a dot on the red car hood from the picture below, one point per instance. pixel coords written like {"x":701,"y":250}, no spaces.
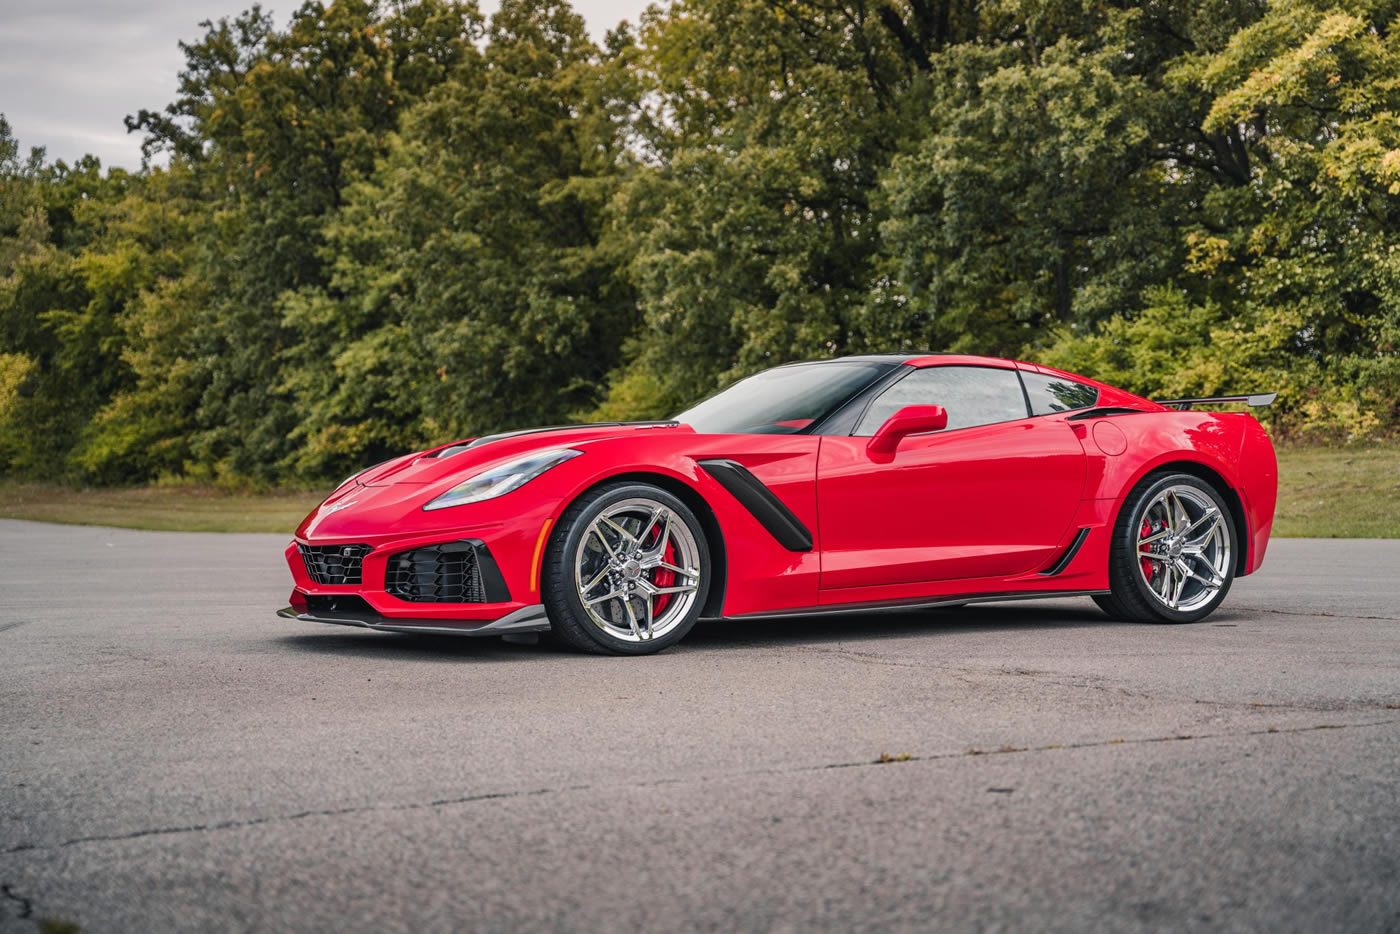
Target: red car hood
{"x":400,"y":487}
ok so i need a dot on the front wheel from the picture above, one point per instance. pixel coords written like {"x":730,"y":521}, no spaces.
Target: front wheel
{"x":626,"y":571}
{"x":1171,"y":559}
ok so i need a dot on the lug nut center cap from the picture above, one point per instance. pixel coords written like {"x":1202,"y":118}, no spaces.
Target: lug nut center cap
{"x":632,"y":570}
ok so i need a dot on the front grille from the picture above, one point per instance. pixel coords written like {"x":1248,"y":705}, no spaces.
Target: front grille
{"x":333,"y":564}
{"x":446,"y":573}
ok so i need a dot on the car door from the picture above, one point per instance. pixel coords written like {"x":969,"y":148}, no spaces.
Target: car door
{"x":991,"y":495}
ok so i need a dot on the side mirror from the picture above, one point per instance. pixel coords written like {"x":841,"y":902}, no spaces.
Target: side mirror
{"x":910,"y":420}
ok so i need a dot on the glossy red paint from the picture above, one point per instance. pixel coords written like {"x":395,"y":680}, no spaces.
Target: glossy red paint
{"x":969,"y":512}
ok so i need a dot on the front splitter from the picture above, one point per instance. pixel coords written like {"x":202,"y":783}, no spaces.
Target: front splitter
{"x":526,"y":619}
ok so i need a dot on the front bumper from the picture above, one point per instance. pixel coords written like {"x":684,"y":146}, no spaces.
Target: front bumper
{"x":505,"y":588}
{"x":529,"y":618}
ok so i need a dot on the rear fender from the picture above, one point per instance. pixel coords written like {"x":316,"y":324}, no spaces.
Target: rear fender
{"x":1221,"y":447}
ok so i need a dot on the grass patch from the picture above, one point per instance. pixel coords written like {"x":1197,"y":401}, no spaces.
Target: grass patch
{"x":180,"y":509}
{"x":1344,"y":492}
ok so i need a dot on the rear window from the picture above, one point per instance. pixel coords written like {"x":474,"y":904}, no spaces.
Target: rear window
{"x":1051,"y":394}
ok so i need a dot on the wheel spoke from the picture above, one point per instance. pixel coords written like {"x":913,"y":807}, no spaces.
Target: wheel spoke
{"x":1214,"y":581}
{"x":1177,"y":519}
{"x":1179,"y":586}
{"x":1210,"y":513}
{"x":1203,"y":540}
{"x":632,"y":619}
{"x":1154,"y":537}
{"x":626,"y":535}
{"x":667,"y":566}
{"x":1166,"y":582}
{"x":1150,"y":554}
{"x":595,"y":581}
{"x":597,"y":530}
{"x":661,"y":542}
{"x":680,"y":588}
{"x":610,"y":595}
{"x":651,"y":524}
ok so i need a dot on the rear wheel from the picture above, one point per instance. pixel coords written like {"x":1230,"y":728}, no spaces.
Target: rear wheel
{"x":1171,"y":559}
{"x":626,"y":571}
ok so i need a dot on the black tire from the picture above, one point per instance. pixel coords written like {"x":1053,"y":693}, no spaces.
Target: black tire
{"x":570,"y":621}
{"x":1131,"y":598}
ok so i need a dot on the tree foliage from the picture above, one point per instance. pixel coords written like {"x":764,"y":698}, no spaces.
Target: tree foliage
{"x":382,"y":224}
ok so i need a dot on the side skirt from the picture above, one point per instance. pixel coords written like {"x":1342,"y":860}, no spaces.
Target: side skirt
{"x":927,"y":602}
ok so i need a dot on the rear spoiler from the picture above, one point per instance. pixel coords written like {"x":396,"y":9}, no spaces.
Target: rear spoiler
{"x":1253,"y":399}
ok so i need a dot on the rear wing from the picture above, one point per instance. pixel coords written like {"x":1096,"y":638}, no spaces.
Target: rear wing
{"x":1252,"y":399}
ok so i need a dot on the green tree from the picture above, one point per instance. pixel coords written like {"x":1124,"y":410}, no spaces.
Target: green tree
{"x":276,"y":125}
{"x":475,"y":287}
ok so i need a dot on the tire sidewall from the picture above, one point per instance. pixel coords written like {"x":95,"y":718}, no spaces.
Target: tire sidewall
{"x":563,"y":546}
{"x":1127,"y":539}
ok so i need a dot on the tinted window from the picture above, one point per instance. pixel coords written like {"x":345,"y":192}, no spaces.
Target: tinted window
{"x":784,"y":400}
{"x":973,"y":395}
{"x":1056,"y":394}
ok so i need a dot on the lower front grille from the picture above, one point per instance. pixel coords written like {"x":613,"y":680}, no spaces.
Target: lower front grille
{"x":446,"y":573}
{"x":334,"y":564}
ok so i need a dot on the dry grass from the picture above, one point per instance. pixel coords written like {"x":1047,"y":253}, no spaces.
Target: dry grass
{"x":180,"y":509}
{"x":1345,"y":492}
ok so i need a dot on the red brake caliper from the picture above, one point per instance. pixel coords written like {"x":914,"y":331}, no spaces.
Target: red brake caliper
{"x":665,"y":578}
{"x":1147,"y":563}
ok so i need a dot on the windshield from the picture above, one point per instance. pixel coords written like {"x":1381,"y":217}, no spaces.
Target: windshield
{"x":782,"y":401}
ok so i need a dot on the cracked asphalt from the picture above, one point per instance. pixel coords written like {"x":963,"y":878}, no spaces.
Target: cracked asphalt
{"x":173,"y":757}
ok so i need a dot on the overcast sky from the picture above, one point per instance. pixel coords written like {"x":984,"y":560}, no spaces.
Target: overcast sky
{"x":70,"y":70}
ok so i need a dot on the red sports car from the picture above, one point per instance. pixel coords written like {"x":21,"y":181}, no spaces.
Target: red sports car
{"x":891,"y":480}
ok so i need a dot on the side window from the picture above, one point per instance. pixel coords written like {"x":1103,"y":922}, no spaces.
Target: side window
{"x":973,"y":395}
{"x":1050,"y":394}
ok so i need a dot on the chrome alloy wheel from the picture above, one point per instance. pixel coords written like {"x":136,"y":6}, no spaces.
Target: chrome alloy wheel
{"x":637,"y":570}
{"x":1183,"y":548}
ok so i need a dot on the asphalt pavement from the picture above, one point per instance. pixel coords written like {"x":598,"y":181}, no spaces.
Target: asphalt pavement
{"x":174,"y":757}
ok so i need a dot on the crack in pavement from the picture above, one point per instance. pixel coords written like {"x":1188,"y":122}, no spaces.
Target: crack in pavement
{"x":238,"y":823}
{"x":1324,"y":613}
{"x":978,"y":676}
{"x":26,"y":907}
{"x":14,"y":625}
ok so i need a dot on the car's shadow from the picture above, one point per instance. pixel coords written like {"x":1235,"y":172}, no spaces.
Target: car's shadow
{"x":737,"y":633}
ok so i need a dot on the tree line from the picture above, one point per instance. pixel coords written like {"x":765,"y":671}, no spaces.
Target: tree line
{"x":389,"y":224}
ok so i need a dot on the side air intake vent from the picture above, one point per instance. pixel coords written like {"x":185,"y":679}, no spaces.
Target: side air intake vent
{"x":446,"y":573}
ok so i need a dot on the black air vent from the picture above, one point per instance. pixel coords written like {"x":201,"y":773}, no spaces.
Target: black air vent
{"x":333,"y":564}
{"x":446,"y":573}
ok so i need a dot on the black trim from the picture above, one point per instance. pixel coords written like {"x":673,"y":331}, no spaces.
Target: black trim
{"x":876,"y":606}
{"x":1068,"y":556}
{"x":843,"y":419}
{"x":1252,"y":399}
{"x":491,"y":580}
{"x":1104,"y":411}
{"x":1025,"y":393}
{"x":761,"y":502}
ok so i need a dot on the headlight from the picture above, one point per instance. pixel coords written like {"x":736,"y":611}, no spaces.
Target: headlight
{"x":501,"y":480}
